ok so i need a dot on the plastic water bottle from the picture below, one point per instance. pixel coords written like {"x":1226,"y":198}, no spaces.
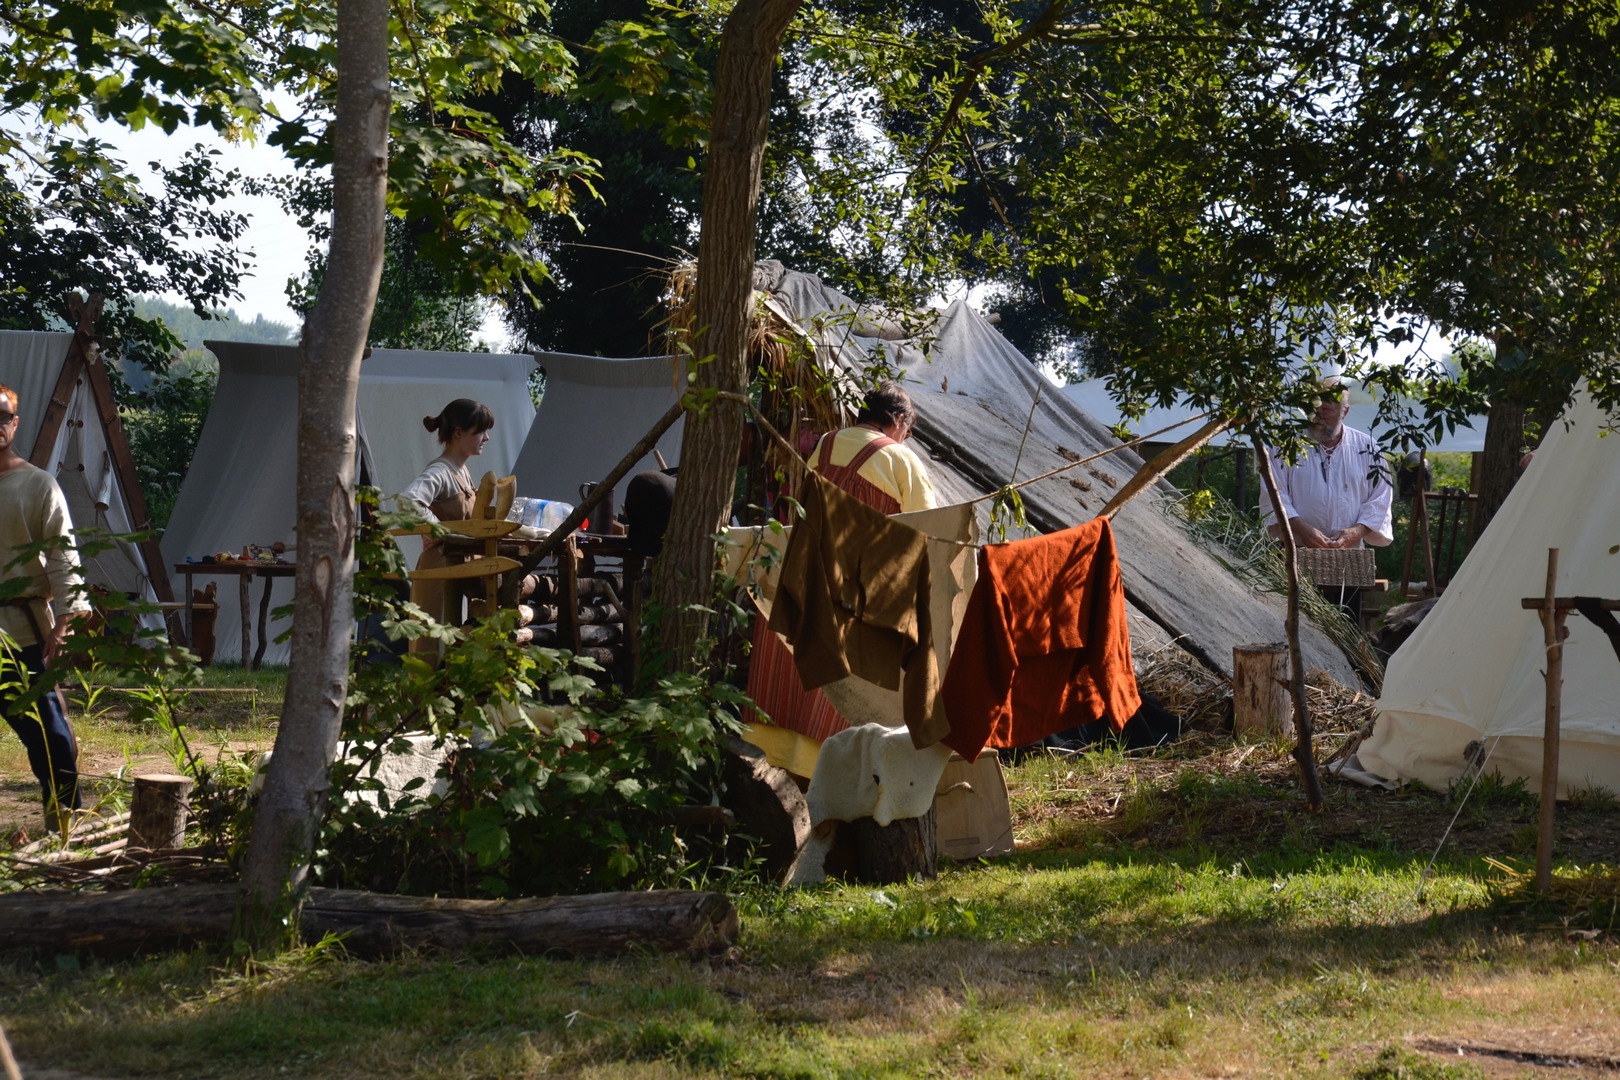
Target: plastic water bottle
{"x":546,"y":514}
{"x":516,"y":513}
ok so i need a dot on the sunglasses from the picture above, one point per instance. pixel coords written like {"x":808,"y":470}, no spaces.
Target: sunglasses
{"x":6,"y":417}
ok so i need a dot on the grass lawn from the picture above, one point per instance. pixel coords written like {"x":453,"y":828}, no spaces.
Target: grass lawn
{"x":1175,"y":915}
{"x":234,"y":709}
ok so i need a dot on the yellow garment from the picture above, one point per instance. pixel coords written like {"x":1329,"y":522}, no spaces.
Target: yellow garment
{"x":895,"y":469}
{"x":785,"y":749}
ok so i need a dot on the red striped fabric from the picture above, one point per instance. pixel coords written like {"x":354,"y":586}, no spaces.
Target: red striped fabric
{"x":773,"y":684}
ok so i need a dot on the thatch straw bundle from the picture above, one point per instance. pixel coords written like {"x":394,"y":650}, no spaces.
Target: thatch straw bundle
{"x":791,"y":384}
{"x":1203,"y":699}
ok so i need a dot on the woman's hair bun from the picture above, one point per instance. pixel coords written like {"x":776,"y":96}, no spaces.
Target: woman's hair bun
{"x":431,"y":423}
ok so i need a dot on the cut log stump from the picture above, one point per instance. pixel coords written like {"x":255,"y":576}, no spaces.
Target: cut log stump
{"x":767,"y":803}
{"x":157,"y":811}
{"x":893,"y":853}
{"x":375,"y":924}
{"x":1260,"y":704}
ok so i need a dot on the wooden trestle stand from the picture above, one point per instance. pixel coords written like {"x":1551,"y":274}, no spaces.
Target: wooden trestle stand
{"x":1553,"y":610}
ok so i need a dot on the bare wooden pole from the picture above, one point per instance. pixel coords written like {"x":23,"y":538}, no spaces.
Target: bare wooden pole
{"x":1552,"y":626}
{"x":1428,"y":543}
{"x":7,"y":1060}
{"x":1162,"y":463}
{"x":1303,"y":751}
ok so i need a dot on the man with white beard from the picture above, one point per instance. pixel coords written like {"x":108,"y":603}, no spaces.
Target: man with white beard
{"x":1338,"y":494}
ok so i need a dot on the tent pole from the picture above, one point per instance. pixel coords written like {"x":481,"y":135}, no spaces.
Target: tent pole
{"x":82,"y":362}
{"x":1552,"y":625}
{"x":123,"y":463}
{"x":50,"y":425}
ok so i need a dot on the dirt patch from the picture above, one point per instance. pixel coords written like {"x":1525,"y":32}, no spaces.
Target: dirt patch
{"x":115,"y":744}
{"x":1517,"y":1054}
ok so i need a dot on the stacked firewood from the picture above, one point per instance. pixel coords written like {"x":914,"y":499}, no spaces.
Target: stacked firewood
{"x":98,"y":850}
{"x":600,"y":614}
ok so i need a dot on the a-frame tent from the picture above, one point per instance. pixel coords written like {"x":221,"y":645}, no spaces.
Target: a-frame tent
{"x":1467,"y":686}
{"x":975,"y":394}
{"x":70,"y":428}
{"x":242,"y":484}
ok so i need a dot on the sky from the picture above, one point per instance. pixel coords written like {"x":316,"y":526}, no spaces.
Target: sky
{"x":277,"y":244}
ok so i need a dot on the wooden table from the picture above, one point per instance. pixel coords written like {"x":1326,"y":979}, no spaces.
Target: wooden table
{"x":243,"y":571}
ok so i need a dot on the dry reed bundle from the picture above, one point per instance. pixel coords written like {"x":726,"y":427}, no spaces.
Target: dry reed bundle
{"x":792,"y":385}
{"x":1187,"y":688}
{"x":1340,"y":715}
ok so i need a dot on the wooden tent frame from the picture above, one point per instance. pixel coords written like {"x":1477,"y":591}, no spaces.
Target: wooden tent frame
{"x":83,"y":362}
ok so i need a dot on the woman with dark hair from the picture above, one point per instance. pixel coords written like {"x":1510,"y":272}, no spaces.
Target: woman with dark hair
{"x":445,"y":492}
{"x":870,"y":459}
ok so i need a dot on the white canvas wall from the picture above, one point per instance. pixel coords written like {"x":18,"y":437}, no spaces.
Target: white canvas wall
{"x":595,"y":409}
{"x":31,"y":363}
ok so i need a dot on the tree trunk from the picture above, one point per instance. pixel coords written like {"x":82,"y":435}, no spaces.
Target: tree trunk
{"x":294,"y":798}
{"x":1499,"y":464}
{"x":684,"y":575}
{"x":376,"y":924}
{"x":1304,"y":752}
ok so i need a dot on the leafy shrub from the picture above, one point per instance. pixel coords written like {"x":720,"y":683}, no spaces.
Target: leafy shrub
{"x":164,"y":423}
{"x":552,"y":784}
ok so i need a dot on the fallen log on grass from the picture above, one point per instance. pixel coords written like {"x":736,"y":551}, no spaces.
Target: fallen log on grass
{"x":376,"y":924}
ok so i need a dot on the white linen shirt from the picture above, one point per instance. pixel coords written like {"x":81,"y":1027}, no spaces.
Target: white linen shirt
{"x":1352,"y":489}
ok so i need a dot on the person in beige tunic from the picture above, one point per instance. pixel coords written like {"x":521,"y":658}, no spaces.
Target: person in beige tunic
{"x":36,"y":619}
{"x":445,"y":492}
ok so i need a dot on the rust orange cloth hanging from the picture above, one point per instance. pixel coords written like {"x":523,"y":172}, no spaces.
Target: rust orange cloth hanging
{"x":1044,"y":644}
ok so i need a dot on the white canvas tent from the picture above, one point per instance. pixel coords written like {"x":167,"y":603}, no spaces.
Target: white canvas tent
{"x":1468,"y":683}
{"x":241,"y":486}
{"x":593,"y":411}
{"x":70,"y":428}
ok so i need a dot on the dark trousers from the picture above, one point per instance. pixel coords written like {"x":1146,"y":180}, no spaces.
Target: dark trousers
{"x":53,"y":753}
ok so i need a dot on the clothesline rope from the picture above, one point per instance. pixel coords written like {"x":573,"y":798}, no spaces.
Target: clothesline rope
{"x":1139,"y":440}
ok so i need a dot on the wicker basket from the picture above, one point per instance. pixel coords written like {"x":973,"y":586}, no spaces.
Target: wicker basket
{"x":1349,"y":567}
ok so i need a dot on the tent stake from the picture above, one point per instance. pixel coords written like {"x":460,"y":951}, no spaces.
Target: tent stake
{"x":1552,"y":625}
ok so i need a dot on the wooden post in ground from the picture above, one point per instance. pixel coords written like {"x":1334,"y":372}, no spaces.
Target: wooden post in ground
{"x":157,"y":811}
{"x":1552,"y":626}
{"x":1260,"y":704}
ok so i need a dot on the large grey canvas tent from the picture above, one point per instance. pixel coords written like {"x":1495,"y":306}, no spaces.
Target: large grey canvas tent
{"x":241,"y":486}
{"x":974,"y":394}
{"x":70,"y":428}
{"x":586,"y":399}
{"x":1092,"y":398}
